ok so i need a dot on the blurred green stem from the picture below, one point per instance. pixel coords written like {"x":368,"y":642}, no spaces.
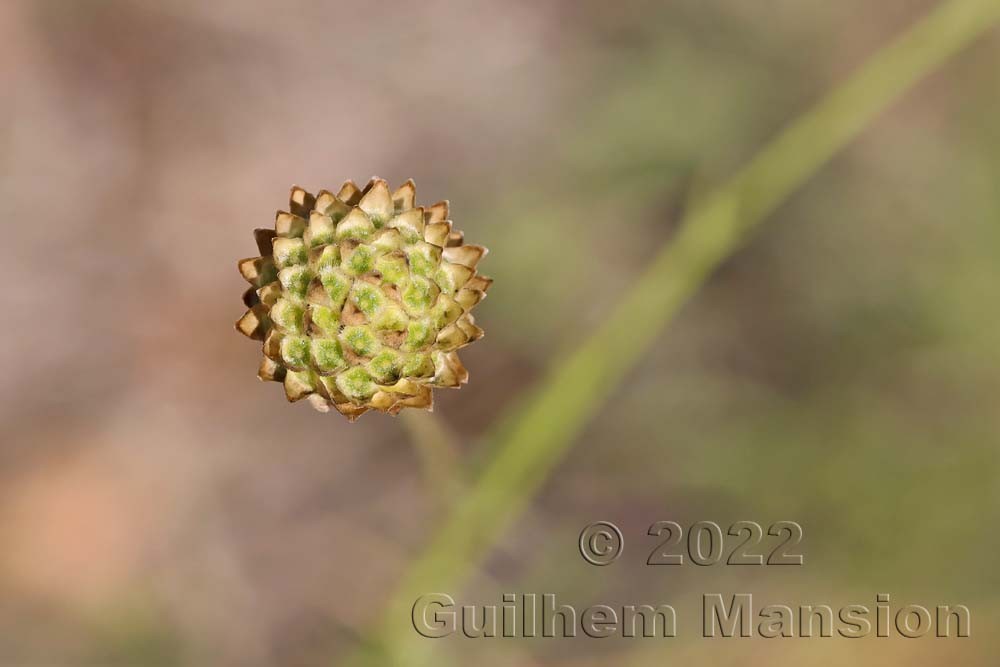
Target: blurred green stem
{"x":539,"y":437}
{"x":438,"y":454}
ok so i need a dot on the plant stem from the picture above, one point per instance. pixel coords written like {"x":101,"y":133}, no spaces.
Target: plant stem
{"x":540,"y":436}
{"x":438,"y":454}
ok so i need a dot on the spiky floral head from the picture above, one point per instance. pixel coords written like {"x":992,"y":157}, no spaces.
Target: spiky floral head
{"x":362,"y":299}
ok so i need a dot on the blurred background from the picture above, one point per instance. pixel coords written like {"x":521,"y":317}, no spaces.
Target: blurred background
{"x":160,"y":506}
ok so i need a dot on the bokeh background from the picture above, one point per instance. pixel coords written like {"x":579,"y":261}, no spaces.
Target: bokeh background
{"x":159,"y":506}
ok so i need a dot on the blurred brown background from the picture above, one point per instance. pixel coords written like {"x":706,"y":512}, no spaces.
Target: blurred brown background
{"x":159,"y":506}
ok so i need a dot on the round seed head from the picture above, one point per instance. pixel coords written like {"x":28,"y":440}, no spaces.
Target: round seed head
{"x":361,"y":299}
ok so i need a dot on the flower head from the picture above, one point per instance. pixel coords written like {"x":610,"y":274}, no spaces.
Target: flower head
{"x":362,"y":299}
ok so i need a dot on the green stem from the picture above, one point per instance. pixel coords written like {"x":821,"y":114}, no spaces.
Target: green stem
{"x":438,"y":454}
{"x":559,"y":409}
